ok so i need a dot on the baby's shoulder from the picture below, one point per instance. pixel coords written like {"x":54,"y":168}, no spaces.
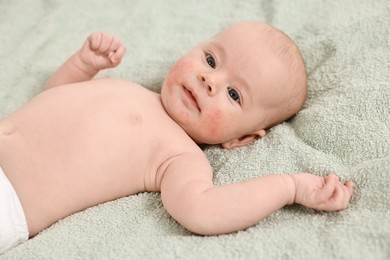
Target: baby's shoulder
{"x":102,"y":87}
{"x":115,"y":84}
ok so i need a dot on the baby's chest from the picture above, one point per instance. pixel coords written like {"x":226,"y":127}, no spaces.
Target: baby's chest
{"x":145,"y":137}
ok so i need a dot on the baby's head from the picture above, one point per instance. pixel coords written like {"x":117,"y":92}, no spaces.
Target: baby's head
{"x":229,"y":89}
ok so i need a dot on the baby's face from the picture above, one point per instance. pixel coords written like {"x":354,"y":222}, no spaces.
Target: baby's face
{"x":224,"y":88}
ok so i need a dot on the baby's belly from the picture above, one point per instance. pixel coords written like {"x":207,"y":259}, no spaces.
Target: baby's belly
{"x":77,"y":152}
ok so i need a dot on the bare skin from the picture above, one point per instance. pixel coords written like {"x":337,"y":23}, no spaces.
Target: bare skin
{"x":82,"y":142}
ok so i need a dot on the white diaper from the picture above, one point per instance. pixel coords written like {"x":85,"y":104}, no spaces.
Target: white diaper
{"x":13,"y":225}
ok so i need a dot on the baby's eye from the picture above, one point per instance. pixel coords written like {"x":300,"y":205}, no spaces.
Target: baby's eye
{"x":234,"y":95}
{"x":210,"y":60}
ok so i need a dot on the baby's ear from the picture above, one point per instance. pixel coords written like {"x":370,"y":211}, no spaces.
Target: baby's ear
{"x":246,"y":139}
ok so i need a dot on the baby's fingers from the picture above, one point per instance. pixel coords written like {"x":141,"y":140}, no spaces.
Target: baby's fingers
{"x":327,"y":191}
{"x":341,"y":197}
{"x":105,"y":43}
{"x":95,"y":40}
{"x":349,"y":186}
{"x":110,"y":44}
{"x":116,"y":56}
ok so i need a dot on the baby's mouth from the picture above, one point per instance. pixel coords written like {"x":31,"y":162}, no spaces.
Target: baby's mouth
{"x":191,"y":97}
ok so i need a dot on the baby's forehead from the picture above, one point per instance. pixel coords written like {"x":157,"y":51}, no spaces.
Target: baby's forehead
{"x":242,"y":53}
{"x":246,"y":31}
{"x":234,"y":42}
{"x":249,"y":34}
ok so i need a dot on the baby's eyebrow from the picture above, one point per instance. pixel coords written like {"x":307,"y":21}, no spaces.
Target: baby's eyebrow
{"x":219,"y":48}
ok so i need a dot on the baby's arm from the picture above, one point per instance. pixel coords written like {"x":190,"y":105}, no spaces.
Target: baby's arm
{"x":100,"y":51}
{"x":192,"y":199}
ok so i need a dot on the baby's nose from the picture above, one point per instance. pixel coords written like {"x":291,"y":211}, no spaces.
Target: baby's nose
{"x":209,"y":83}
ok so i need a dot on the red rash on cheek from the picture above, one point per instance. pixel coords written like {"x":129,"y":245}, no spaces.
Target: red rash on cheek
{"x":179,"y":69}
{"x":214,"y":124}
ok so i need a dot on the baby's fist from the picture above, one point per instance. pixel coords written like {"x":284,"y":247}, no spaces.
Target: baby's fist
{"x":101,"y":51}
{"x":322,"y":193}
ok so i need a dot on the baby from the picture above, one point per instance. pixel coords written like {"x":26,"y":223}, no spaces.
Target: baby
{"x":82,"y":142}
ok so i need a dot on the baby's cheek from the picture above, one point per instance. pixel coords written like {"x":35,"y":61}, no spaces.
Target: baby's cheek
{"x":180,"y":68}
{"x":215,"y":124}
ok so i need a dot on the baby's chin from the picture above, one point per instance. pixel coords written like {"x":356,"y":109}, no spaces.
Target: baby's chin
{"x":201,"y":139}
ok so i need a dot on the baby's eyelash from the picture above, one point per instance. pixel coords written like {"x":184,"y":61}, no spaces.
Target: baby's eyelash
{"x":210,"y":60}
{"x":234,"y":95}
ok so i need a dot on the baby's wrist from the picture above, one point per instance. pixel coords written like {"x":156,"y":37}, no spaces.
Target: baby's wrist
{"x":291,"y":187}
{"x":83,"y":66}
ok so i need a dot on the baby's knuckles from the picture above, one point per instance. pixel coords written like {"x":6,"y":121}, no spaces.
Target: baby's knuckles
{"x":92,"y":55}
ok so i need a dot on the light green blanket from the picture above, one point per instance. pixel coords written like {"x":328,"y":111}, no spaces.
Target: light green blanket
{"x":343,"y":128}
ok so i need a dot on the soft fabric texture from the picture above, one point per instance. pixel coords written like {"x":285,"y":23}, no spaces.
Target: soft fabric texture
{"x":343,"y":128}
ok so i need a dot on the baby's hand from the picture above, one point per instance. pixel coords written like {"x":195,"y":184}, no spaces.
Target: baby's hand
{"x":101,"y":51}
{"x":322,"y":193}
